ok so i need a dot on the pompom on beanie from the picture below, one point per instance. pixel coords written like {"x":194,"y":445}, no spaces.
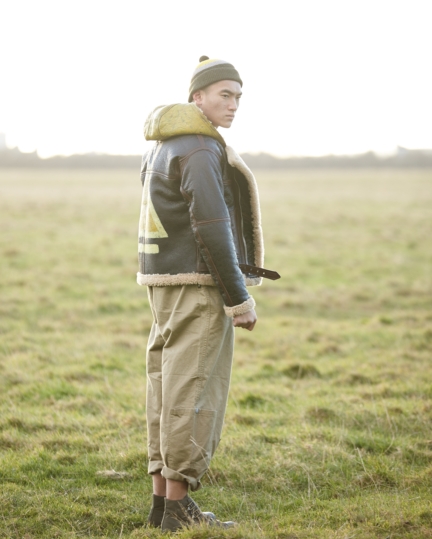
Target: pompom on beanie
{"x":209,"y":71}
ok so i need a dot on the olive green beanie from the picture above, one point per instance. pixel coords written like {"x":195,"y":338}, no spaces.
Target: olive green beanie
{"x":209,"y":71}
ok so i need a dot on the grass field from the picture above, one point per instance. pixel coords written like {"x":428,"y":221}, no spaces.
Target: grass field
{"x":328,"y":430}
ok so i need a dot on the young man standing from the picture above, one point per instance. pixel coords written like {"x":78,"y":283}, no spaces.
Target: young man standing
{"x":200,"y":245}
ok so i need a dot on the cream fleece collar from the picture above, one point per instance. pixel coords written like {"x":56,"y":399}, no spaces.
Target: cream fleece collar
{"x":179,"y":119}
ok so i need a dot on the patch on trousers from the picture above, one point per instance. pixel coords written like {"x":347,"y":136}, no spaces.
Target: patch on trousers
{"x":192,"y":439}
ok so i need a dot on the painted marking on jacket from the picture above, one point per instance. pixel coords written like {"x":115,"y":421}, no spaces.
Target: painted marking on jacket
{"x":150,"y":224}
{"x":148,"y":248}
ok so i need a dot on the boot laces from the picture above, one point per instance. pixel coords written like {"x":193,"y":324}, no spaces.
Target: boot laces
{"x":194,"y":511}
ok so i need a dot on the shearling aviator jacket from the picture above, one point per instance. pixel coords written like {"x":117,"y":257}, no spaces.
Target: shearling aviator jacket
{"x":200,"y":215}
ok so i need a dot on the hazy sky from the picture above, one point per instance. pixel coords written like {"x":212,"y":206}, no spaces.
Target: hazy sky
{"x":320,"y":77}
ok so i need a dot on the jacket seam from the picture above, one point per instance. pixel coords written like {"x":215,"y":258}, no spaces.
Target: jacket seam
{"x":186,"y":157}
{"x":162,"y":174}
{"x":210,"y":258}
{"x":202,"y":141}
{"x":212,"y":221}
{"x":185,"y":194}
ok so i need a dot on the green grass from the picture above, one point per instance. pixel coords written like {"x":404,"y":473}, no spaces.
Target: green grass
{"x":328,"y":430}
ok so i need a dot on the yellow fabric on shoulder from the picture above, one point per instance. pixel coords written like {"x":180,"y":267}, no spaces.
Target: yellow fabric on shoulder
{"x":180,"y":119}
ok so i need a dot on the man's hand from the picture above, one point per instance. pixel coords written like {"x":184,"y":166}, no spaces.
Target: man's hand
{"x":246,"y":321}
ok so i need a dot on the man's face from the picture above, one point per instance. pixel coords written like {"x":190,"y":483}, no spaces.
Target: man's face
{"x":219,"y":101}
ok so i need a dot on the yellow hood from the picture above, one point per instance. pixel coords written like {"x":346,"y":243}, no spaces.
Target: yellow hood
{"x":180,"y":119}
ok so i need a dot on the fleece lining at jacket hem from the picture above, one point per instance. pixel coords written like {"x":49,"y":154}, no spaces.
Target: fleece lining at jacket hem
{"x":186,"y":278}
{"x":243,"y":308}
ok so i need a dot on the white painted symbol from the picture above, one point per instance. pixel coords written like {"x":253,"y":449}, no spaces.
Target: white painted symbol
{"x":150,"y":224}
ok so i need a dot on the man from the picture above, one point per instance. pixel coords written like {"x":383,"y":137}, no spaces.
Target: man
{"x":200,"y":245}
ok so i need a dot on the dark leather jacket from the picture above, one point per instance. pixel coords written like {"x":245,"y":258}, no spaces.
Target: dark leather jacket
{"x":200,"y":214}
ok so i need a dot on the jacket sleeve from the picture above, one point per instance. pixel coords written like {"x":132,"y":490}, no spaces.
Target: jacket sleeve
{"x":202,"y":188}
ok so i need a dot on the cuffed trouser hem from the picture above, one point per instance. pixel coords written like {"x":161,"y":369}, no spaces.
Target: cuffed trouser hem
{"x":155,"y":467}
{"x":193,"y":482}
{"x":167,"y":473}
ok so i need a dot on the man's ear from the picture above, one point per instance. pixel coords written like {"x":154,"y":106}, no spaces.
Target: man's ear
{"x":197,"y":97}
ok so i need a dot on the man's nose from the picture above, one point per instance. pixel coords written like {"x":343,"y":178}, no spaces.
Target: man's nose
{"x":233,"y":104}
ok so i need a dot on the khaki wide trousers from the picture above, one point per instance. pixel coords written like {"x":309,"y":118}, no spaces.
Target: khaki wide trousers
{"x":189,"y":359}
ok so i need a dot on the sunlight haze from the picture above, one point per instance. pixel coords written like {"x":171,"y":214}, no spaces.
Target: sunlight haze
{"x":319,"y":77}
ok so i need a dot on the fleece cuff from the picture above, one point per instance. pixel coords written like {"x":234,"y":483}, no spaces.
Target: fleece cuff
{"x":243,"y":308}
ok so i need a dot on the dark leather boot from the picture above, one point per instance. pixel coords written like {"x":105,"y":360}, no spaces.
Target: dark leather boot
{"x":156,"y":512}
{"x":185,"y":512}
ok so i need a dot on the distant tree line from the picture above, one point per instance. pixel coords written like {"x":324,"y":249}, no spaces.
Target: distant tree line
{"x":402,"y":158}
{"x":15,"y":158}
